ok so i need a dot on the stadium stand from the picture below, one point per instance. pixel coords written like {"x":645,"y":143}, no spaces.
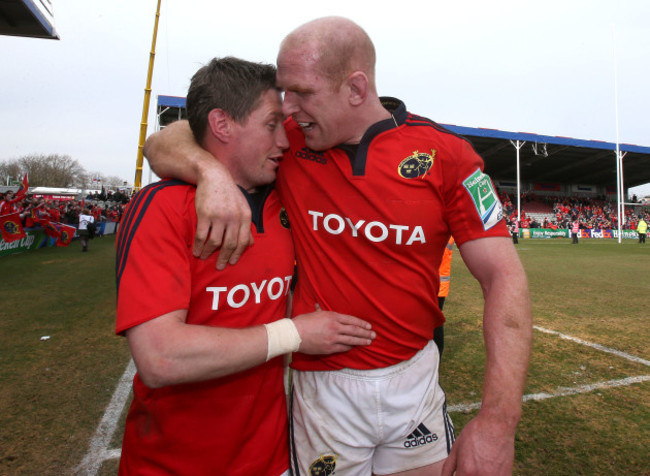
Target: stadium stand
{"x":548,"y":164}
{"x":538,"y":211}
{"x":551,"y":170}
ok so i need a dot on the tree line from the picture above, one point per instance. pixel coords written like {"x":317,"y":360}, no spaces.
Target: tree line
{"x":53,"y":170}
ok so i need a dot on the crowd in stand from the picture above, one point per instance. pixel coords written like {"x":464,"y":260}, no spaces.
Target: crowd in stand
{"x":591,"y":213}
{"x":103,"y":206}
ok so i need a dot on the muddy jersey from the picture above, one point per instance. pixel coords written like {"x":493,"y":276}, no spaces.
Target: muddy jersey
{"x":235,"y":425}
{"x":370,"y":223}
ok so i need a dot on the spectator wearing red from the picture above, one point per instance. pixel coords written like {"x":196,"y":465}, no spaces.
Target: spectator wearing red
{"x":8,"y":203}
{"x":55,"y":214}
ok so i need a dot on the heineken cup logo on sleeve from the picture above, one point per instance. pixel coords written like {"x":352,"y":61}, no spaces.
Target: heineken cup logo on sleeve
{"x":479,"y":186}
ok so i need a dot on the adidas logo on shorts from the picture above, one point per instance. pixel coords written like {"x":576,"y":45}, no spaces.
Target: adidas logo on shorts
{"x":420,"y":436}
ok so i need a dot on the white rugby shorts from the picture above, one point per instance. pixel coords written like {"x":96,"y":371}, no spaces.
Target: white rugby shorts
{"x":381,"y":421}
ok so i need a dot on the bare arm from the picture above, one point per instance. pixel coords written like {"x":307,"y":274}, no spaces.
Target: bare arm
{"x":168,"y":351}
{"x":486,"y":444}
{"x":224,"y":216}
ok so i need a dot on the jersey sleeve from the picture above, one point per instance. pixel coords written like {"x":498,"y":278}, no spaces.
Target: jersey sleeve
{"x":153,"y":255}
{"x":473,"y":209}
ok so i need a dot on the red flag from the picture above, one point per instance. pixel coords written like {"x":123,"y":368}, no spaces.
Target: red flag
{"x":11,"y":227}
{"x":51,"y":229}
{"x":67,"y":232}
{"x":22,"y":191}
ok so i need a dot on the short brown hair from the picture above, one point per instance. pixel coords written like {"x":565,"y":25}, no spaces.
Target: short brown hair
{"x":229,"y":83}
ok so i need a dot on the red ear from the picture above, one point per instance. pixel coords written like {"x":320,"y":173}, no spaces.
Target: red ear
{"x":358,"y":84}
{"x":219,"y":124}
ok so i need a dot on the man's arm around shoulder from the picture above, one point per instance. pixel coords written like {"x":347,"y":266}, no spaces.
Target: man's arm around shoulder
{"x":223,"y":213}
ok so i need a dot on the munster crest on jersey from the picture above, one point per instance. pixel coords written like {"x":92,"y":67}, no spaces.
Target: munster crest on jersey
{"x":416,"y":165}
{"x":323,"y":466}
{"x":284,"y":219}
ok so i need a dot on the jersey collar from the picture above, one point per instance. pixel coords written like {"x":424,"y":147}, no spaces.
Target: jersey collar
{"x":398,"y":113}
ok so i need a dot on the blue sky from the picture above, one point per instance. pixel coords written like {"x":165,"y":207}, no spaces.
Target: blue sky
{"x":523,"y":66}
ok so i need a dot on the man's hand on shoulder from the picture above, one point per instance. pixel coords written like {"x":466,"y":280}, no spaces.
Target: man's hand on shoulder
{"x":224,"y":217}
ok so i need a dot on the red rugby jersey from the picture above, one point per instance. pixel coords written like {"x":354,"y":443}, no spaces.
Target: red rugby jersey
{"x":235,"y":425}
{"x":370,"y":225}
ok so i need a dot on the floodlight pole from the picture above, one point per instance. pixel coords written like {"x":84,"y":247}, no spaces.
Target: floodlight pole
{"x":137,"y":182}
{"x":619,"y":160}
{"x":621,"y":191}
{"x":518,"y":145}
{"x":618,"y":193}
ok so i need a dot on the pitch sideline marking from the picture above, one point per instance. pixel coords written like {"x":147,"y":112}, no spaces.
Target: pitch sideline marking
{"x":561,"y":392}
{"x":98,"y":450}
{"x":565,"y":391}
{"x":595,"y":346}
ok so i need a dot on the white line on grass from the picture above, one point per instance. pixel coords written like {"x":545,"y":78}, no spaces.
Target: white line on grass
{"x":560,"y":392}
{"x":98,"y":450}
{"x":595,"y":346}
{"x":565,"y":391}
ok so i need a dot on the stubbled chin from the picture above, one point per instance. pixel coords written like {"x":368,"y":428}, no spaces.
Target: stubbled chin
{"x":310,"y":134}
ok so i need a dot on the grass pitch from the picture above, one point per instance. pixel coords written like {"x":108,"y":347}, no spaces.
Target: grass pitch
{"x":596,"y":292}
{"x":54,"y":391}
{"x":592,"y":420}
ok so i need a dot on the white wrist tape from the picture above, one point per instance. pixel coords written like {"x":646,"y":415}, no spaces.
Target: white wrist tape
{"x":282,"y":337}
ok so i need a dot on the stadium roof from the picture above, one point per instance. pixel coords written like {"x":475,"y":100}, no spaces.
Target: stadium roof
{"x":170,"y":109}
{"x":31,"y":18}
{"x":557,"y":159}
{"x":542,"y":159}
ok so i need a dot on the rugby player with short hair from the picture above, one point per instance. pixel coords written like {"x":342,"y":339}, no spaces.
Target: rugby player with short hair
{"x":208,"y":346}
{"x":373,"y":193}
